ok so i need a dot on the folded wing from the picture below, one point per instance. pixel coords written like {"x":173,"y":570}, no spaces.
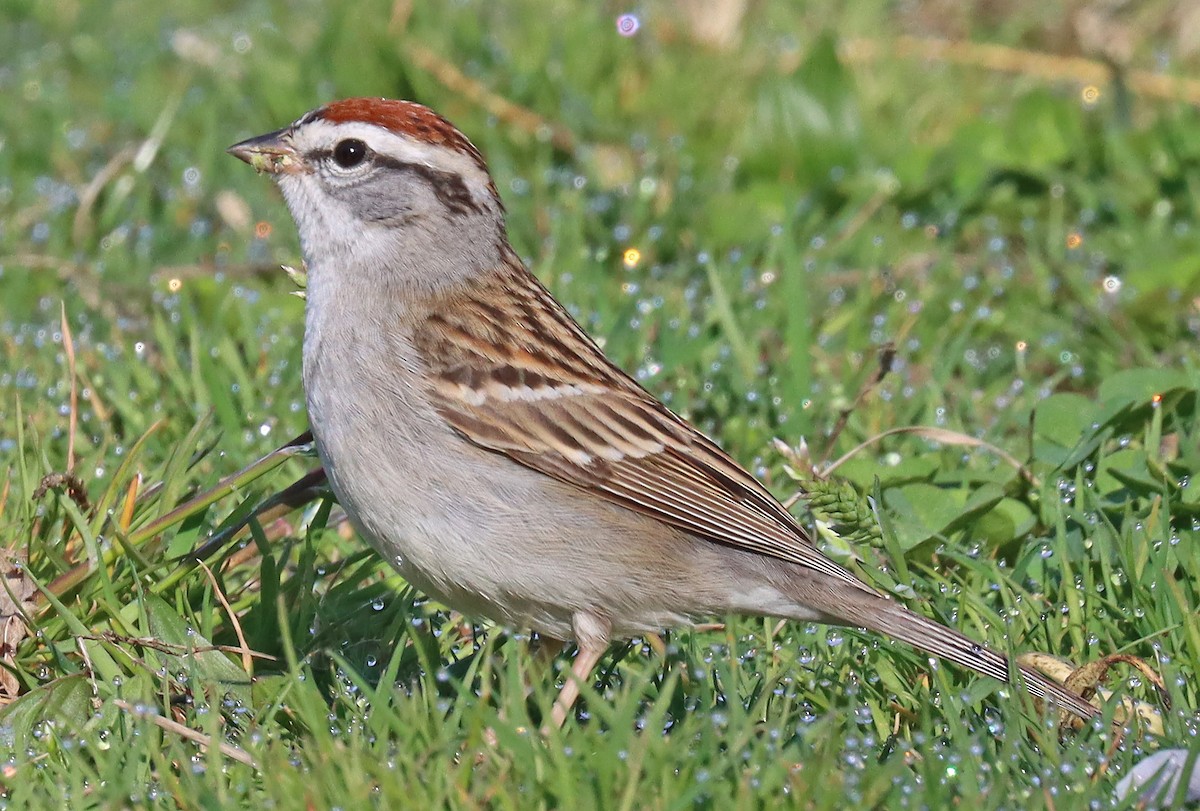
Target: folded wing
{"x":523,"y":380}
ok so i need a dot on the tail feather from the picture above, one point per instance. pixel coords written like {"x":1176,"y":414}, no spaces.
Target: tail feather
{"x":925,"y":634}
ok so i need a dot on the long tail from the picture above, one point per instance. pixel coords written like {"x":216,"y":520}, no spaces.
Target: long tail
{"x":886,"y":617}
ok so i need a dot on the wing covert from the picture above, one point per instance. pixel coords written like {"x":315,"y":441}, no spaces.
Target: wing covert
{"x":522,"y":379}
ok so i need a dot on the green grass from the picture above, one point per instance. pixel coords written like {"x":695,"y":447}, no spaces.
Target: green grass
{"x":1031,"y":254}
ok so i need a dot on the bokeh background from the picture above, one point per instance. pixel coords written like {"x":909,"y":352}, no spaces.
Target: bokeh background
{"x":757,"y":208}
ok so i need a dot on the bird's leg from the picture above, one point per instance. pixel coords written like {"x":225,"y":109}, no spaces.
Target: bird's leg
{"x":585,"y":660}
{"x":592,"y":635}
{"x":544,"y":649}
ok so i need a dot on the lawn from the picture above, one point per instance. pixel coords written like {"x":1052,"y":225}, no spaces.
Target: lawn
{"x":935,"y":264}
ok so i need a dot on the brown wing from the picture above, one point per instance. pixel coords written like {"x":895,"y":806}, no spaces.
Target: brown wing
{"x":513,"y":373}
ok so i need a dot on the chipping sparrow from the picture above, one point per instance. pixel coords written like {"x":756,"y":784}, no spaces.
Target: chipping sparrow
{"x":483,"y":443}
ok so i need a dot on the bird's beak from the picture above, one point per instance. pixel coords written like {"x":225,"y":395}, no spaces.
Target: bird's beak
{"x":271,"y":153}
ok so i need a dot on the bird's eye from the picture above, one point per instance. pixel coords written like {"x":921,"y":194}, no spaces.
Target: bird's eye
{"x":349,"y":153}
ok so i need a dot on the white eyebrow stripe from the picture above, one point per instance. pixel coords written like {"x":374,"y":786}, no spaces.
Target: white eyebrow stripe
{"x":319,"y":134}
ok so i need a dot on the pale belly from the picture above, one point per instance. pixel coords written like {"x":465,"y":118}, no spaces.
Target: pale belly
{"x":493,"y":539}
{"x":475,"y":530}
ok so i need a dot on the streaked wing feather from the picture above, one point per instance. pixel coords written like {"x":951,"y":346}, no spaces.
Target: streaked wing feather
{"x":522,"y":379}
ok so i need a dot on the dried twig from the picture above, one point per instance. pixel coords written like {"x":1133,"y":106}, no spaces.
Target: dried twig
{"x":186,"y":732}
{"x":88,"y":195}
{"x":73,"y":419}
{"x":861,"y":217}
{"x":67,"y":271}
{"x":512,"y":114}
{"x":887,"y":354}
{"x":1005,"y":59}
{"x":170,"y":648}
{"x":247,"y":659}
{"x":944,"y":436}
{"x":138,"y":158}
{"x":207,"y":269}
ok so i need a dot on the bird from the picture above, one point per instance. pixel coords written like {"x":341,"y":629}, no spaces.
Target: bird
{"x":483,"y":443}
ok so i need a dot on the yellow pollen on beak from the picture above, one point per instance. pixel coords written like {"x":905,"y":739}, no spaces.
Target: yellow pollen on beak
{"x":270,"y":162}
{"x":270,"y":153}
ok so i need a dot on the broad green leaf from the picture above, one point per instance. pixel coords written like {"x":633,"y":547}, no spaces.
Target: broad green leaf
{"x":194,"y":650}
{"x":1137,"y":386}
{"x":921,"y":511}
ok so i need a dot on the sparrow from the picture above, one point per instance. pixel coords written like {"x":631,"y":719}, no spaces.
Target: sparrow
{"x":481,"y":441}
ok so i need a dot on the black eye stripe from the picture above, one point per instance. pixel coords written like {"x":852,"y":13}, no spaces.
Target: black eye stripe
{"x":448,"y":187}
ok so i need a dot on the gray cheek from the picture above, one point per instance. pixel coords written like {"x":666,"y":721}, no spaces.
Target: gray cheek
{"x":384,"y":200}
